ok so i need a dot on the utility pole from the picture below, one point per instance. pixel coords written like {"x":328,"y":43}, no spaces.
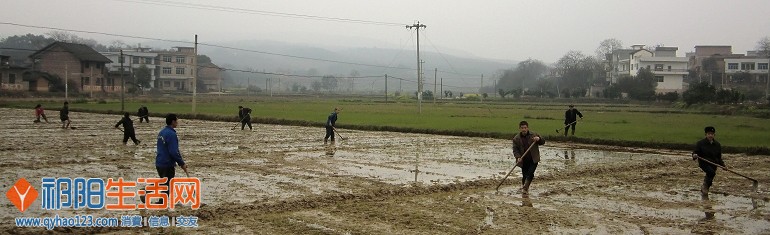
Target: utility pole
{"x":442,"y":86}
{"x":386,"y":88}
{"x":91,"y":79}
{"x":767,"y":85}
{"x":420,"y":88}
{"x":494,"y":82}
{"x":195,"y":73}
{"x":123,"y":87}
{"x":417,"y":26}
{"x":435,"y":74}
{"x":481,"y":90}
{"x":66,"y":82}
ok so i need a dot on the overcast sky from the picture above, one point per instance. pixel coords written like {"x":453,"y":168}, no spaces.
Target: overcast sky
{"x":498,"y":29}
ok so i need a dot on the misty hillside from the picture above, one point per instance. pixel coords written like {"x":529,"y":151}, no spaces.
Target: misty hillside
{"x":456,"y":71}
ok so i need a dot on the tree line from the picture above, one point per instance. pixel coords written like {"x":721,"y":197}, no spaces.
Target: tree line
{"x":575,"y":73}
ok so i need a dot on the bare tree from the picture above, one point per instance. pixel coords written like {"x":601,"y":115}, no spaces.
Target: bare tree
{"x":72,"y":38}
{"x":607,"y":46}
{"x":763,"y":47}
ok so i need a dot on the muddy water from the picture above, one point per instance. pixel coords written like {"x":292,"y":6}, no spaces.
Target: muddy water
{"x":284,"y":179}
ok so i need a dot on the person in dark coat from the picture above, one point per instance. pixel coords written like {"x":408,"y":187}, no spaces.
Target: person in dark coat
{"x":528,"y":162}
{"x":570,"y":119}
{"x":331,"y":121}
{"x":245,"y":115}
{"x":708,"y":148}
{"x":144,"y":114}
{"x":128,"y":129}
{"x":64,"y":115}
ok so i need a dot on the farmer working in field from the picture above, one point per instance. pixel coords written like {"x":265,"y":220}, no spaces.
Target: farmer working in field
{"x":168,"y":151}
{"x":331,"y":121}
{"x":39,"y":112}
{"x":570,"y":119}
{"x":143,"y":114}
{"x":64,"y":115}
{"x":708,"y":148}
{"x":128,"y":129}
{"x":527,"y":162}
{"x":245,"y":115}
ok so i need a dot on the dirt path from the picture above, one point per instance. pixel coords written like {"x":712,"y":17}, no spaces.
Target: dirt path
{"x":283,"y":179}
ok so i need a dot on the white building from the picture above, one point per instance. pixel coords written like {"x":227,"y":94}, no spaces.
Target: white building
{"x":133,"y":59}
{"x":669,"y":70}
{"x":755,"y":66}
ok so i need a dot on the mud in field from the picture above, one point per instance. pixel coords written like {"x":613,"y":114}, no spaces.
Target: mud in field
{"x":284,"y":179}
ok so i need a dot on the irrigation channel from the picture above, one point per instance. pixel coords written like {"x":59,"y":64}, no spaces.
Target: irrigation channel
{"x":284,"y":179}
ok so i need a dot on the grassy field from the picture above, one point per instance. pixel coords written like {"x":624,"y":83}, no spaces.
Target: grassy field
{"x":615,"y":122}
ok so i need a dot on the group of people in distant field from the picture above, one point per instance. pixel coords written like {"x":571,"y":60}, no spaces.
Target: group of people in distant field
{"x":525,"y":144}
{"x":244,"y":115}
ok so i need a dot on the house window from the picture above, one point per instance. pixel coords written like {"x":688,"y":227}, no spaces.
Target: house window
{"x":732,"y":66}
{"x":659,"y":67}
{"x":180,"y":59}
{"x":167,"y":58}
{"x":98,"y":81}
{"x":135,"y":59}
{"x":12,"y":78}
{"x":180,"y":71}
{"x":85,"y":81}
{"x":121,"y":59}
{"x":669,"y":68}
{"x":98,"y":65}
{"x":648,"y":67}
{"x":659,"y":78}
{"x":166,"y":70}
{"x":762,"y":66}
{"x":747,"y":66}
{"x":86,"y":65}
{"x":166,"y":84}
{"x":148,"y":60}
{"x":176,"y":84}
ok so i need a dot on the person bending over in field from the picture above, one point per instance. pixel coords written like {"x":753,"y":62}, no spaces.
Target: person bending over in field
{"x":128,"y":127}
{"x":245,"y":115}
{"x":331,"y":121}
{"x":708,"y":148}
{"x":143,"y":114}
{"x":39,"y":112}
{"x":528,"y":162}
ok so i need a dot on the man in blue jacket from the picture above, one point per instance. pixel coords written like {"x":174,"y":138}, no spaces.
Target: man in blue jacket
{"x":330,"y":122}
{"x":168,"y":151}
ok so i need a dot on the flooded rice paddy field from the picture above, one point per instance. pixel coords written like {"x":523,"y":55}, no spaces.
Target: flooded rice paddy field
{"x":284,"y":179}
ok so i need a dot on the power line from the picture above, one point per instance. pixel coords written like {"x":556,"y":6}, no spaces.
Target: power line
{"x":258,"y":12}
{"x":231,"y":48}
{"x":94,"y":32}
{"x":204,"y":44}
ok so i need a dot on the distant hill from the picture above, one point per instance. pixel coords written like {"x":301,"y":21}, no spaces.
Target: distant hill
{"x":456,"y":71}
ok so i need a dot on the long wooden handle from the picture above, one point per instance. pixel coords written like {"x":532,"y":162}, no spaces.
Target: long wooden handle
{"x":514,"y":166}
{"x":725,"y":168}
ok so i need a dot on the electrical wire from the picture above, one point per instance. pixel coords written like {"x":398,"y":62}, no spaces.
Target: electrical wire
{"x":258,"y":12}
